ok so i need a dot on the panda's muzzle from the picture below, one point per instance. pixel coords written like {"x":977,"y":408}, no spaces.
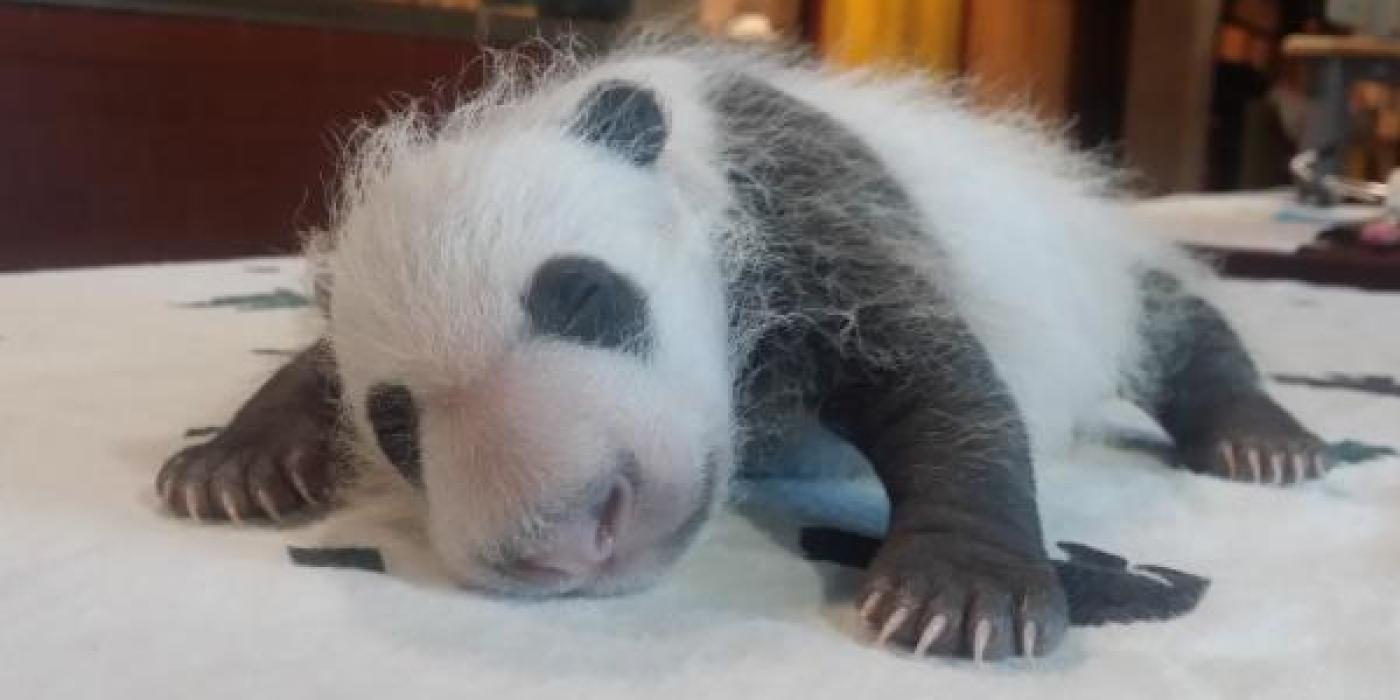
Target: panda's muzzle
{"x":580,"y":542}
{"x":610,"y":537}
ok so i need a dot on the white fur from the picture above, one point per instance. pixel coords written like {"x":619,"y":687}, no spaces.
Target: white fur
{"x":439,"y":232}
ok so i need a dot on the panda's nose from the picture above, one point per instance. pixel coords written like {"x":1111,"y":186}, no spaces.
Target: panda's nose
{"x":578,"y":545}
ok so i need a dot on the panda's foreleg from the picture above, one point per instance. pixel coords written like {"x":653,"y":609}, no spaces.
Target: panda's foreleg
{"x":962,"y":570}
{"x":272,"y":459}
{"x":1198,"y":381}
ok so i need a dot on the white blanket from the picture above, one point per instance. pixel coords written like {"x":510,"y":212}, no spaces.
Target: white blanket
{"x":103,"y":596}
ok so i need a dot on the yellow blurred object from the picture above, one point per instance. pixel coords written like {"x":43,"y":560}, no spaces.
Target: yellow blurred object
{"x":923,"y":33}
{"x":937,"y":28}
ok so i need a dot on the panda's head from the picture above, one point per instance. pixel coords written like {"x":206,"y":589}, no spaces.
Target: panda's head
{"x":529,"y":326}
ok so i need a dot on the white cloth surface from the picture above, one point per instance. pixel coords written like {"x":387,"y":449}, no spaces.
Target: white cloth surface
{"x":1270,"y":220}
{"x":104,"y":596}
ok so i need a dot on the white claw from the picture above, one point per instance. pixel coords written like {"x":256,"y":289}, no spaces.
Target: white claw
{"x":1320,"y":464}
{"x":266,"y":502}
{"x":165,"y":489}
{"x":165,"y":482}
{"x":1028,"y":639}
{"x":892,"y":625}
{"x":932,"y":631}
{"x":981,"y":637}
{"x":1254,"y":464}
{"x":230,"y":508}
{"x":192,"y":502}
{"x":1300,"y":467}
{"x":871,"y":602}
{"x":1227,"y":452}
{"x":297,"y":483}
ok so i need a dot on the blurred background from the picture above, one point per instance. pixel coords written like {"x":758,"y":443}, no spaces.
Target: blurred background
{"x":153,"y":130}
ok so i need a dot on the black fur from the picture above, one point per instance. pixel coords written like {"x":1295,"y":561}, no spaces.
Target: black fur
{"x":583,"y":300}
{"x":273,"y":458}
{"x":625,"y":118}
{"x":927,"y":409}
{"x":1202,"y":387}
{"x":1194,"y":359}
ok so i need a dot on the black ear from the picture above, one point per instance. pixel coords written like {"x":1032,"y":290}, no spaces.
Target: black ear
{"x":625,"y":118}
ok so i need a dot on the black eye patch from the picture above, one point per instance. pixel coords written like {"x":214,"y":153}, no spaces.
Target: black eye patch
{"x":394,"y":416}
{"x":581,"y":299}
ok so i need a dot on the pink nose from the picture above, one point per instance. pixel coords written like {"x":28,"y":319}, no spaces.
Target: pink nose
{"x":579,"y":545}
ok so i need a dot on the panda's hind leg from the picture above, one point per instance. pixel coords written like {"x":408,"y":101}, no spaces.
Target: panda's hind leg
{"x":1200,"y":384}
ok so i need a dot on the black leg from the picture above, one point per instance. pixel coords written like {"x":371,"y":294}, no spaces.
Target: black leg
{"x":274,"y":457}
{"x":1201,"y":386}
{"x":963,"y":569}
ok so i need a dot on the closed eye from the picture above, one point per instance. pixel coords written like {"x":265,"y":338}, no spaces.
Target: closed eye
{"x":581,"y":299}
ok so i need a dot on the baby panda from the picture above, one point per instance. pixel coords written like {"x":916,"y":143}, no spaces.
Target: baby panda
{"x":569,"y":309}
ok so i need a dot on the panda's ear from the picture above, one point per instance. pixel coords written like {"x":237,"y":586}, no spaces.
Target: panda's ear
{"x":625,"y":118}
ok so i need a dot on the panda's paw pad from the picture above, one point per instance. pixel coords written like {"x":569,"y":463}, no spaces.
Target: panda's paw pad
{"x":238,"y":479}
{"x":1260,"y":460}
{"x":970,"y":601}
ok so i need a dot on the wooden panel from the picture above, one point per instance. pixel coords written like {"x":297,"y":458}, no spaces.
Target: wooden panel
{"x":1020,"y":52}
{"x":133,"y":138}
{"x":923,"y":33}
{"x":1099,"y":73}
{"x":860,"y":33}
{"x":935,"y":29}
{"x":1170,"y":73}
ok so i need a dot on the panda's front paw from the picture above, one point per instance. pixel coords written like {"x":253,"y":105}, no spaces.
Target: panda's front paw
{"x":947,"y":595}
{"x":267,"y":471}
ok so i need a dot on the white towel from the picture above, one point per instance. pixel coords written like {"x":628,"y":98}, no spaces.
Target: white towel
{"x":103,"y":596}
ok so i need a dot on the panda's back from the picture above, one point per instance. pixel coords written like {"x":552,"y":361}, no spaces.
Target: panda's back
{"x":1039,"y":263}
{"x":1042,"y":266}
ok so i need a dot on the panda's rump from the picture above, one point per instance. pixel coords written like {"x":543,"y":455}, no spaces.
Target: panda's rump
{"x":1038,"y":263}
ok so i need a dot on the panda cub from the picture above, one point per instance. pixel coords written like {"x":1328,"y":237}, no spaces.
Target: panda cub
{"x":568,"y":309}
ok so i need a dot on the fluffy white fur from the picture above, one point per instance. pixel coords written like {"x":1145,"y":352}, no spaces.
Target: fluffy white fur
{"x":443,"y":221}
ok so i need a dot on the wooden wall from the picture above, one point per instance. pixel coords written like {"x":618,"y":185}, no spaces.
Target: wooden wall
{"x":1064,"y":59}
{"x":1130,"y":75}
{"x":129,"y":138}
{"x":927,"y":34}
{"x":1170,"y":76}
{"x":1021,"y":51}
